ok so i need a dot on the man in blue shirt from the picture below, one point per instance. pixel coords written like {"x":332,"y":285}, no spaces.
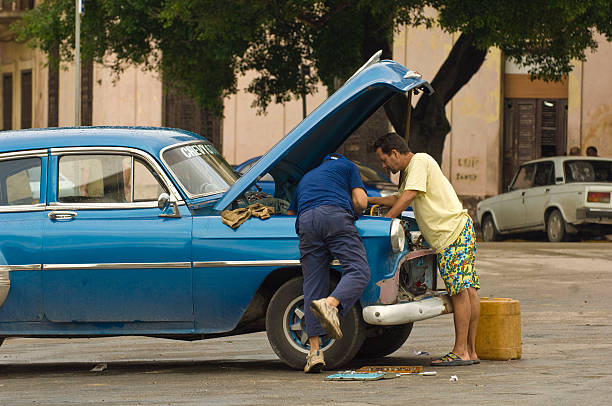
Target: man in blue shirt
{"x":326,"y":202}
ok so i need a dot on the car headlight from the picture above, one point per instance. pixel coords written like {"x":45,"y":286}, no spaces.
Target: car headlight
{"x":398,"y":236}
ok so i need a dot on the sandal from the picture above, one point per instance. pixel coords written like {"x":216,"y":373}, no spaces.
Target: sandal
{"x":451,"y":360}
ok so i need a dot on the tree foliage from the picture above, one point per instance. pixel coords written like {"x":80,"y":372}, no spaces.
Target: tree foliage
{"x":200,"y":46}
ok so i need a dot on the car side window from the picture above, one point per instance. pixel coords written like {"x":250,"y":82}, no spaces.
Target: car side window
{"x":545,"y":174}
{"x":20,"y":181}
{"x":524,"y":178}
{"x":102,"y":178}
{"x":147,"y":186}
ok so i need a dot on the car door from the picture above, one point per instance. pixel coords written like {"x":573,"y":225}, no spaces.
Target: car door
{"x":23,"y":179}
{"x":511,"y":210}
{"x":537,"y":197}
{"x":108,"y":254}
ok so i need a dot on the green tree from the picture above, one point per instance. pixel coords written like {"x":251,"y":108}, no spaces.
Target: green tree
{"x":200,"y":46}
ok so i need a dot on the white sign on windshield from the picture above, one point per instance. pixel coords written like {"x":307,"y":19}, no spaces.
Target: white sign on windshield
{"x":191,"y":151}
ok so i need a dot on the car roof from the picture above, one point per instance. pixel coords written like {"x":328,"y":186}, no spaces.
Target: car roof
{"x":566,"y":158}
{"x":150,"y":139}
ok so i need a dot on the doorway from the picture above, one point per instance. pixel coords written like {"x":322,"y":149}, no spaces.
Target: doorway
{"x":533,"y":128}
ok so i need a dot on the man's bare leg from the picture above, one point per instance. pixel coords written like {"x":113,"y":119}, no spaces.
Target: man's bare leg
{"x":462,"y":316}
{"x":314,"y":344}
{"x":473,"y":329}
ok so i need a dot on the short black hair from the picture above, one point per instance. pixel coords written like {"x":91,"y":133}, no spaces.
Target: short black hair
{"x":591,"y":149}
{"x":391,"y":141}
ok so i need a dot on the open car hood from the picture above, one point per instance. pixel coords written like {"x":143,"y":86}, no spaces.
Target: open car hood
{"x":327,"y":127}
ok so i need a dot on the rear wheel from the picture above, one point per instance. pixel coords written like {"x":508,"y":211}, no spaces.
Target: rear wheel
{"x":285,"y":327}
{"x":388,"y":340}
{"x":555,"y":227}
{"x":489,"y":231}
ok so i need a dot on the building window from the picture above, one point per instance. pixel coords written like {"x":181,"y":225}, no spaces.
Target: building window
{"x":53,"y":95}
{"x":26,"y":99}
{"x":7,"y":101}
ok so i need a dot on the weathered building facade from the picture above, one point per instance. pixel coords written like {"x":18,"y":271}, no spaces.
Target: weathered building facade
{"x":499,"y":119}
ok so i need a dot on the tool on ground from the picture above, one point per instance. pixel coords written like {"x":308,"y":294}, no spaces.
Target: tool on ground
{"x":392,"y":369}
{"x":356,"y":376}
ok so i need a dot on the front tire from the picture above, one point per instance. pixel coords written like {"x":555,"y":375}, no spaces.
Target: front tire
{"x":285,"y":327}
{"x":388,"y":340}
{"x":489,"y":231}
{"x":555,"y":227}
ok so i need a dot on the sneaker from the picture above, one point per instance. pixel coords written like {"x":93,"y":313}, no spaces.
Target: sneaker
{"x":314,"y":362}
{"x":328,"y":316}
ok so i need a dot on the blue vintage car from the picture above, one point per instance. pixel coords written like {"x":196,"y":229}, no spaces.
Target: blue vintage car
{"x":110,"y":231}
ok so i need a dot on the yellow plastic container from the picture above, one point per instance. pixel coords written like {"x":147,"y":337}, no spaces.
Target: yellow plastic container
{"x":499,"y":329}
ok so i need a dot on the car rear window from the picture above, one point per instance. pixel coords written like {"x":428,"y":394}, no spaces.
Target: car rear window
{"x":588,"y":171}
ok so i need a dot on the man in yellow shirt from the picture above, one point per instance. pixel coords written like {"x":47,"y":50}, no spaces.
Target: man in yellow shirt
{"x":447,"y":228}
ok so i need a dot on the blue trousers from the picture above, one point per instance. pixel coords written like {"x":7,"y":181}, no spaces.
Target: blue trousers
{"x":327,"y":233}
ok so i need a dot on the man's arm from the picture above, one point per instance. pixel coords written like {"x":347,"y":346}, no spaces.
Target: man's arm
{"x":360,"y":199}
{"x":387,"y":201}
{"x":401,"y":203}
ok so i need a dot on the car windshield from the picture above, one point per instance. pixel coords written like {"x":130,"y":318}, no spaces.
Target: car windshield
{"x":588,"y":171}
{"x":200,"y":169}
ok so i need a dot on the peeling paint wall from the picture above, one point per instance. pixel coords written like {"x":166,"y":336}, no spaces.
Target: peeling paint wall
{"x":134,"y":99}
{"x":596,"y":107}
{"x":247,"y":134}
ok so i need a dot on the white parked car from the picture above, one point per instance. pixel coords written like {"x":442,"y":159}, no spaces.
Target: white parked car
{"x":562,"y":196}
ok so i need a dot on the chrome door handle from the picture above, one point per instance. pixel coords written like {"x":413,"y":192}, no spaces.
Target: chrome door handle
{"x":62,"y":215}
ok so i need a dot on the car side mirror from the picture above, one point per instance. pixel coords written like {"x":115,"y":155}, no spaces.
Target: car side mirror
{"x":164,"y":203}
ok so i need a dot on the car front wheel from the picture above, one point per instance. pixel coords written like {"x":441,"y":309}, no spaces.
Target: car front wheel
{"x":489,"y":231}
{"x":555,"y":227}
{"x":285,"y":327}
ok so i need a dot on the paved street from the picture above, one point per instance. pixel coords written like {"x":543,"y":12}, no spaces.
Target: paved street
{"x":564,"y":290}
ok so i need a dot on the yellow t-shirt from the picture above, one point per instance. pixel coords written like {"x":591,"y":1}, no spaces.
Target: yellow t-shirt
{"x":437,"y":209}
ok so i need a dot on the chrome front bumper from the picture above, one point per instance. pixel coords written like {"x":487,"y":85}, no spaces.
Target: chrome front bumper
{"x":408,"y":312}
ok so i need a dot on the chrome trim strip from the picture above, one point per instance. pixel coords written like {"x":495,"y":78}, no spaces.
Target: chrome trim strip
{"x":93,"y":206}
{"x":33,"y":267}
{"x":22,"y":208}
{"x":34,"y":153}
{"x":174,"y":194}
{"x":214,"y":264}
{"x":279,"y":262}
{"x":118,"y":265}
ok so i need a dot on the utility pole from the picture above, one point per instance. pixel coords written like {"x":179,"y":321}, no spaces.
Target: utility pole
{"x":305,"y":71}
{"x":79,"y":10}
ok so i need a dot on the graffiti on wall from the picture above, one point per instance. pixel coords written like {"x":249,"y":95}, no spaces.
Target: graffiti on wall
{"x":467,"y":169}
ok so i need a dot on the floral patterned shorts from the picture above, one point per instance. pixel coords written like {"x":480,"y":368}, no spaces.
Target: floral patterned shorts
{"x":456,"y":262}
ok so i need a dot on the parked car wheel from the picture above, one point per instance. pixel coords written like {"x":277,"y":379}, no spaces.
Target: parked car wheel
{"x":390,"y":339}
{"x":285,"y":327}
{"x":489,"y":231}
{"x":555,"y":227}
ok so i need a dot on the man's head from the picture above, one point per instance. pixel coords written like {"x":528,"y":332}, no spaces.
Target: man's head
{"x":393,"y":152}
{"x":574,"y":151}
{"x":591,"y":151}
